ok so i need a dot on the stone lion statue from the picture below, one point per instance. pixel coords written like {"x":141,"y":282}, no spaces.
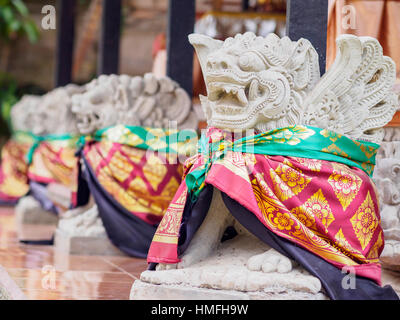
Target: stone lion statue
{"x":44,"y":115}
{"x":121,"y":99}
{"x":263,"y":84}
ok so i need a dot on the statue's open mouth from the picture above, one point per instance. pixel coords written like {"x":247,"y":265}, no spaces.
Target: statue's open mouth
{"x":232,"y":96}
{"x":84,"y":122}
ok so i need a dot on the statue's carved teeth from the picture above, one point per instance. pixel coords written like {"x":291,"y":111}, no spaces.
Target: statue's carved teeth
{"x":228,"y":110}
{"x":242,"y":97}
{"x":253,"y":90}
{"x":214,"y":95}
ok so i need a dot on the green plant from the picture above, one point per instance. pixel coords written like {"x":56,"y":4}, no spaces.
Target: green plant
{"x":8,"y":97}
{"x":15,"y":21}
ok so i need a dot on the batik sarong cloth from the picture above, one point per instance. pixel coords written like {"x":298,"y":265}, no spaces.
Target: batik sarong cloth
{"x":13,"y":169}
{"x":139,"y":167}
{"x":52,"y":160}
{"x":307,"y":185}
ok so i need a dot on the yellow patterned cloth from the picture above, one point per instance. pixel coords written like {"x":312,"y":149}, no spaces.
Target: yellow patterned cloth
{"x":142,"y":184}
{"x":13,"y":171}
{"x":55,"y":162}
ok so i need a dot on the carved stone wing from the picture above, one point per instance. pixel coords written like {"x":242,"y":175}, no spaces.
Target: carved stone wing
{"x":355,"y":96}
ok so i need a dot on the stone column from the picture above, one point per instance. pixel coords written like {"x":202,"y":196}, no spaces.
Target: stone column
{"x":387,"y":179}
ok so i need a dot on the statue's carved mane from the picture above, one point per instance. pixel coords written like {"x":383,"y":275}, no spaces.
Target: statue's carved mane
{"x":142,"y":101}
{"x":266,"y":83}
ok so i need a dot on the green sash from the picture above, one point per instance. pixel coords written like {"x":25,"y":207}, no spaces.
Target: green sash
{"x":161,"y":140}
{"x":66,"y":140}
{"x":297,"y":141}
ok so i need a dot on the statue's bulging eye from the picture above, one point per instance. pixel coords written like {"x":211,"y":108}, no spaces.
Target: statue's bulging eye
{"x":250,"y":62}
{"x":245,"y":61}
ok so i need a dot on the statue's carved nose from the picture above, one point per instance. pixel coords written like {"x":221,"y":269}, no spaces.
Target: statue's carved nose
{"x":218,"y":63}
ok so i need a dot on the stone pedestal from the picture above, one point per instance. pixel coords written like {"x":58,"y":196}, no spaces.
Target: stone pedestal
{"x":29,"y":211}
{"x":146,"y":291}
{"x":33,"y":222}
{"x":60,"y":195}
{"x":81,"y":232}
{"x":392,"y":278}
{"x":84,"y":245}
{"x":225,"y":275}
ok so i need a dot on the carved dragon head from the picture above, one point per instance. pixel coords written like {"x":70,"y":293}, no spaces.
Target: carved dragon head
{"x":267,"y":83}
{"x":53,"y":114}
{"x":144,"y":101}
{"x":255,"y":82}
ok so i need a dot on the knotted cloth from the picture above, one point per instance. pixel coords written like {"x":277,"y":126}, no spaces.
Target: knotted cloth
{"x":29,"y":159}
{"x":133,"y":172}
{"x":308,"y":185}
{"x":138,"y":166}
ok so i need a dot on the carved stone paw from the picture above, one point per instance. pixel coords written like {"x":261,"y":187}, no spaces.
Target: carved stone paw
{"x":270,"y":261}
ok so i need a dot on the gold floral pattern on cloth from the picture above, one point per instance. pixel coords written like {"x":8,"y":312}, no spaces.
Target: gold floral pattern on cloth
{"x":369,"y":151}
{"x":343,"y":245}
{"x":376,"y":249}
{"x":333,"y":136}
{"x":315,"y":208}
{"x":288,"y":182}
{"x":318,"y":206}
{"x":290,"y":225}
{"x":341,"y":240}
{"x":168,"y":229}
{"x":310,"y":219}
{"x":334,"y":149}
{"x":345,"y":184}
{"x":364,"y":221}
{"x":291,"y":136}
{"x":302,"y":215}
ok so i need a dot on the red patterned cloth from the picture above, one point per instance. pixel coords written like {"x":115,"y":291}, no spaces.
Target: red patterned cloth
{"x":326,"y":207}
{"x":141,"y":184}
